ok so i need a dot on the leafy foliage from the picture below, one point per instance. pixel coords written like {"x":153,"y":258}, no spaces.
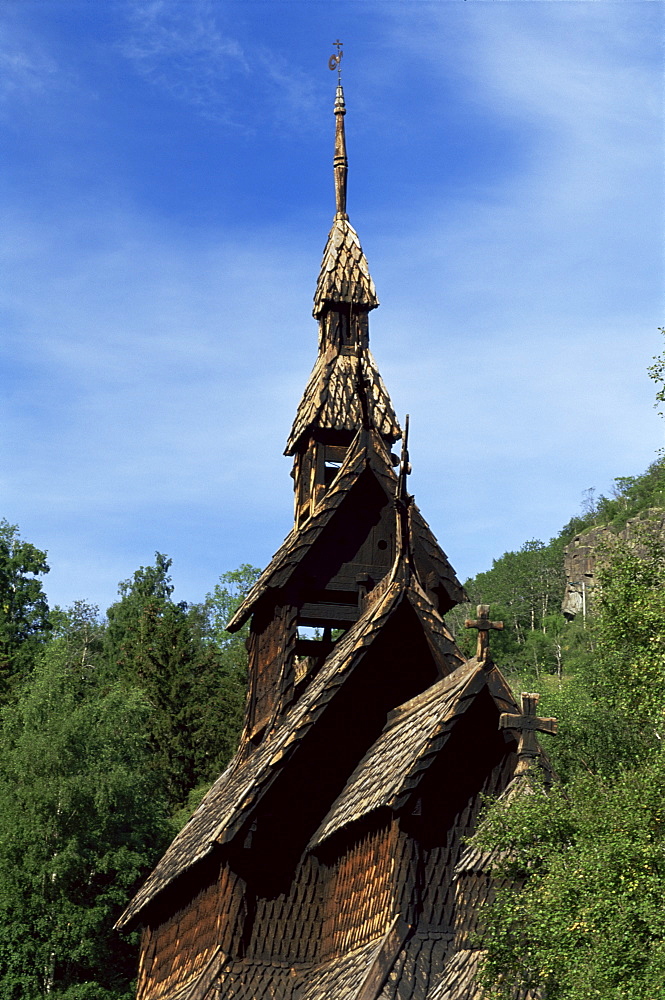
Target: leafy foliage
{"x":589,"y":922}
{"x":24,"y":621}
{"x":111,"y":733}
{"x":81,"y":821}
{"x":657,"y":373}
{"x":524,"y":590}
{"x":193,"y":676}
{"x":629,"y":497}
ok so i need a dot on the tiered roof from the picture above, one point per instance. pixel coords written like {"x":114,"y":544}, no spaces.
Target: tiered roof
{"x":231,"y":800}
{"x":367,"y":451}
{"x":420,"y":960}
{"x":332,"y":401}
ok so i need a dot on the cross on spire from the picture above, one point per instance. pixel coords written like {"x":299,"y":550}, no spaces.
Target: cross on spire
{"x":483,"y":624}
{"x":527,"y":724}
{"x":335,"y":61}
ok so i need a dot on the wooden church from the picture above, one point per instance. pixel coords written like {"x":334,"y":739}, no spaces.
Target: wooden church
{"x":329,"y":862}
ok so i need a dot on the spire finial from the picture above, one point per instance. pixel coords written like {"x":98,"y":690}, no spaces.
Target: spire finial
{"x":340,"y":162}
{"x":335,"y":61}
{"x":403,"y":501}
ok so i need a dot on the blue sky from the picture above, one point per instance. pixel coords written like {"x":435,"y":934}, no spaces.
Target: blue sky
{"x":166,"y":193}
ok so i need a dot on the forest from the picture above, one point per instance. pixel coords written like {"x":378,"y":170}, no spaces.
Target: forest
{"x":113,"y":726}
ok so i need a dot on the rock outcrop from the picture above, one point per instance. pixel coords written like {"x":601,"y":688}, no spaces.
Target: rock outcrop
{"x":581,"y":557}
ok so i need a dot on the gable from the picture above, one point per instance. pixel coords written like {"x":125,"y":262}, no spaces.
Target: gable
{"x":412,"y":738}
{"x":234,"y":795}
{"x":367,"y":457}
{"x":398,"y":665}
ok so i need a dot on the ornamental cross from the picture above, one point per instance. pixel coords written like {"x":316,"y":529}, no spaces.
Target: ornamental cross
{"x":335,"y":61}
{"x":528,"y":724}
{"x":483,"y":624}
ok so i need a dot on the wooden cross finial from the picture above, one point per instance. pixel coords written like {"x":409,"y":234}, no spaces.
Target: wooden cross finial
{"x":335,"y":61}
{"x":483,"y":624}
{"x":528,"y":724}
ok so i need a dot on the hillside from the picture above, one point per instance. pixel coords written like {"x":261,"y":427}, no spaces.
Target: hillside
{"x":592,"y":848}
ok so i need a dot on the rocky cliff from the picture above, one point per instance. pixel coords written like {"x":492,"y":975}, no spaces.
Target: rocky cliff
{"x":582,"y":554}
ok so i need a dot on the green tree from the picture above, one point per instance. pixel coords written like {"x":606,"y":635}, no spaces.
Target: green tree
{"x":220,"y":692}
{"x":24,"y":621}
{"x":220,"y":606}
{"x":657,"y":373}
{"x":82,"y":820}
{"x":589,"y":922}
{"x":524,"y":589}
{"x":193,"y":675}
{"x":631,"y":626}
{"x":150,"y":644}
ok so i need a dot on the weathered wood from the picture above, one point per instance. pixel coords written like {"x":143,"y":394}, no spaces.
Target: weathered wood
{"x":377,"y":973}
{"x":322,"y":864}
{"x":484,"y":625}
{"x":528,"y":724}
{"x":207,"y":977}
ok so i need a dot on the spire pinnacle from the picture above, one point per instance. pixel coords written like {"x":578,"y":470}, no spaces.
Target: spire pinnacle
{"x":403,"y":555}
{"x":340,"y":162}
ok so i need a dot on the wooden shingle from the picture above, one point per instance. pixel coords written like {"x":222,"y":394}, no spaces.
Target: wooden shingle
{"x":344,"y":276}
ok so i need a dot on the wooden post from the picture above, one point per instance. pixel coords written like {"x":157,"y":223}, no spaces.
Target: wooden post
{"x":483,"y":624}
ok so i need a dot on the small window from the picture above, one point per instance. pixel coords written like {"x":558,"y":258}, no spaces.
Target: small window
{"x":330,"y":471}
{"x":310,"y":633}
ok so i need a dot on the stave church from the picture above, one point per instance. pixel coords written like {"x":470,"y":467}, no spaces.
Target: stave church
{"x":331,"y":860}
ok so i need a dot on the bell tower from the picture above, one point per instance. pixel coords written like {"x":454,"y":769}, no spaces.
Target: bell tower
{"x":344,"y":391}
{"x":344,"y":540}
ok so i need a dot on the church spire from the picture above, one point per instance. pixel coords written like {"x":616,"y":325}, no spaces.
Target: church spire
{"x":340,"y":162}
{"x":345,"y":391}
{"x":345,"y":283}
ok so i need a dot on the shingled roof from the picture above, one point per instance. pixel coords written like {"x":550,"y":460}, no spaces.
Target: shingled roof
{"x":228,"y":804}
{"x":414,"y":733}
{"x":344,"y":275}
{"x":343,"y":978}
{"x":367,"y":451}
{"x":331,"y":400}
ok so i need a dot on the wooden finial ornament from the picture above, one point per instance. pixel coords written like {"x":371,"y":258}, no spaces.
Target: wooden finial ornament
{"x":403,"y":501}
{"x":340,"y":162}
{"x":483,"y":624}
{"x":404,"y":465}
{"x":335,"y":61}
{"x":527,"y":724}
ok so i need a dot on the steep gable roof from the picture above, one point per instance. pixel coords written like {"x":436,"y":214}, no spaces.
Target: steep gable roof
{"x":367,"y":451}
{"x":413,"y":735}
{"x":230,"y":801}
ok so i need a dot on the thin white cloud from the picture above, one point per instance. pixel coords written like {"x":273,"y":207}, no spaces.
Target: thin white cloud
{"x":154,"y":379}
{"x":186,"y":48}
{"x":27,"y":70}
{"x":141,"y":353}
